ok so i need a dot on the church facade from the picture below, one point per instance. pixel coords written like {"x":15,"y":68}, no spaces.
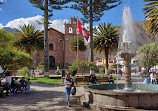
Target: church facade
{"x":59,"y":51}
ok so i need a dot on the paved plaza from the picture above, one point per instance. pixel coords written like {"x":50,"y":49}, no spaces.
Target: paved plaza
{"x":48,"y":98}
{"x":42,"y":98}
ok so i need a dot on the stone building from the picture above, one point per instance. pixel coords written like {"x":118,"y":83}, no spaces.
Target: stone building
{"x":59,"y":51}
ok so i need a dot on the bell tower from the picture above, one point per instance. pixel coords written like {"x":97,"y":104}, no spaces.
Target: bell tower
{"x":71,"y":28}
{"x":70,"y":34}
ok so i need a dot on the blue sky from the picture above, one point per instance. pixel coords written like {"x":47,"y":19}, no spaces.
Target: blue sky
{"x":15,"y":9}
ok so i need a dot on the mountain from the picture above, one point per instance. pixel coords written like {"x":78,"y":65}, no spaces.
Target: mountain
{"x":8,"y":29}
{"x":141,"y":36}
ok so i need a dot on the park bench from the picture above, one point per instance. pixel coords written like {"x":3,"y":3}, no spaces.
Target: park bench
{"x":79,"y":79}
{"x":86,"y":79}
{"x":102,"y":79}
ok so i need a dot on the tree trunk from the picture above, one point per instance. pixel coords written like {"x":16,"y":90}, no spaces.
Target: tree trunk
{"x":91,"y":33}
{"x":91,"y":36}
{"x":46,"y":59}
{"x":107,"y":62}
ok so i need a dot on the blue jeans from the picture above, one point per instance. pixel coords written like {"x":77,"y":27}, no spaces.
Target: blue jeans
{"x":111,"y":81}
{"x":153,"y":81}
{"x":67,"y":91}
{"x":28,"y":89}
{"x":8,"y":88}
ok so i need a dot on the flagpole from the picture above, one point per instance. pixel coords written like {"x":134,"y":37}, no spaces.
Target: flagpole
{"x":77,"y":42}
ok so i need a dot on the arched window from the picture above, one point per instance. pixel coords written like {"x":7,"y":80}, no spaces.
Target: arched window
{"x":74,"y":22}
{"x":70,"y":30}
{"x":50,"y":46}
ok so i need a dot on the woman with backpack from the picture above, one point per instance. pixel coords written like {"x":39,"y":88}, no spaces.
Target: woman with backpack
{"x":68,"y":83}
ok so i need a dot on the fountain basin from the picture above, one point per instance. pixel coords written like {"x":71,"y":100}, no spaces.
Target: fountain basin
{"x":106,"y":96}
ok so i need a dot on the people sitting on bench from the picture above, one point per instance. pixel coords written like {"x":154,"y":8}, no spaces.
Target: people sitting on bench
{"x":23,"y":84}
{"x":13,"y":85}
{"x":18,"y":84}
{"x":93,"y":79}
{"x":4,"y":87}
{"x":110,"y":79}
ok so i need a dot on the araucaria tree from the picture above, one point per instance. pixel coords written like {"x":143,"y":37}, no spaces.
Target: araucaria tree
{"x":151,"y":12}
{"x":47,"y":6}
{"x":93,"y":10}
{"x":29,"y":39}
{"x":105,"y":40}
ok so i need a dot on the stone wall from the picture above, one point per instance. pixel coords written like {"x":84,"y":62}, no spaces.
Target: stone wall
{"x":120,"y":100}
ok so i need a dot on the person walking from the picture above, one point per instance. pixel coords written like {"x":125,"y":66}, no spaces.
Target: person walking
{"x":68,"y":83}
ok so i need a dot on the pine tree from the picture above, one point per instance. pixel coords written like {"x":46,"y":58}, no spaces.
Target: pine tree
{"x":47,"y":6}
{"x":93,"y":10}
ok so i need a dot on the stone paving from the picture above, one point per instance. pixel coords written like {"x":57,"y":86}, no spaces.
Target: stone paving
{"x":135,"y":78}
{"x":42,"y":98}
{"x":48,"y":98}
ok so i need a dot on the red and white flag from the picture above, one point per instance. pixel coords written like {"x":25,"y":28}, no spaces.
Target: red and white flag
{"x":79,"y":27}
{"x":80,"y":31}
{"x":86,"y":35}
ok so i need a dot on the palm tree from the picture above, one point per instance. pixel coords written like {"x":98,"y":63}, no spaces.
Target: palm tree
{"x":73,"y":44}
{"x":105,"y":40}
{"x":30,"y":40}
{"x":81,"y":45}
{"x":151,"y":12}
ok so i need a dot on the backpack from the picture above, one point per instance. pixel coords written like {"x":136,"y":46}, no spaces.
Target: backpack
{"x":73,"y":91}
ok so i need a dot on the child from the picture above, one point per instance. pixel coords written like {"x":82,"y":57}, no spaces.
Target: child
{"x":23,"y":84}
{"x":28,"y":83}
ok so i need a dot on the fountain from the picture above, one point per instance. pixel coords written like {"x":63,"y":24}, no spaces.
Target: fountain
{"x":125,"y":96}
{"x":127,"y":46}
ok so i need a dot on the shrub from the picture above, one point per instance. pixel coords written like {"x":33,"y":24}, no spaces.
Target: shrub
{"x":24,"y":71}
{"x":92,"y":65}
{"x":110,"y":71}
{"x":102,"y":70}
{"x":73,"y":69}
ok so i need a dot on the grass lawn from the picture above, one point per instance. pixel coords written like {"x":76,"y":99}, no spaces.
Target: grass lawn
{"x":57,"y":81}
{"x":47,"y":80}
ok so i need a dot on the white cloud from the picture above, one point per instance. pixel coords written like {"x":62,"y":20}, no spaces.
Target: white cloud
{"x":36,"y":21}
{"x":0,"y":9}
{"x":21,"y":21}
{"x":1,"y":26}
{"x":59,"y":25}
